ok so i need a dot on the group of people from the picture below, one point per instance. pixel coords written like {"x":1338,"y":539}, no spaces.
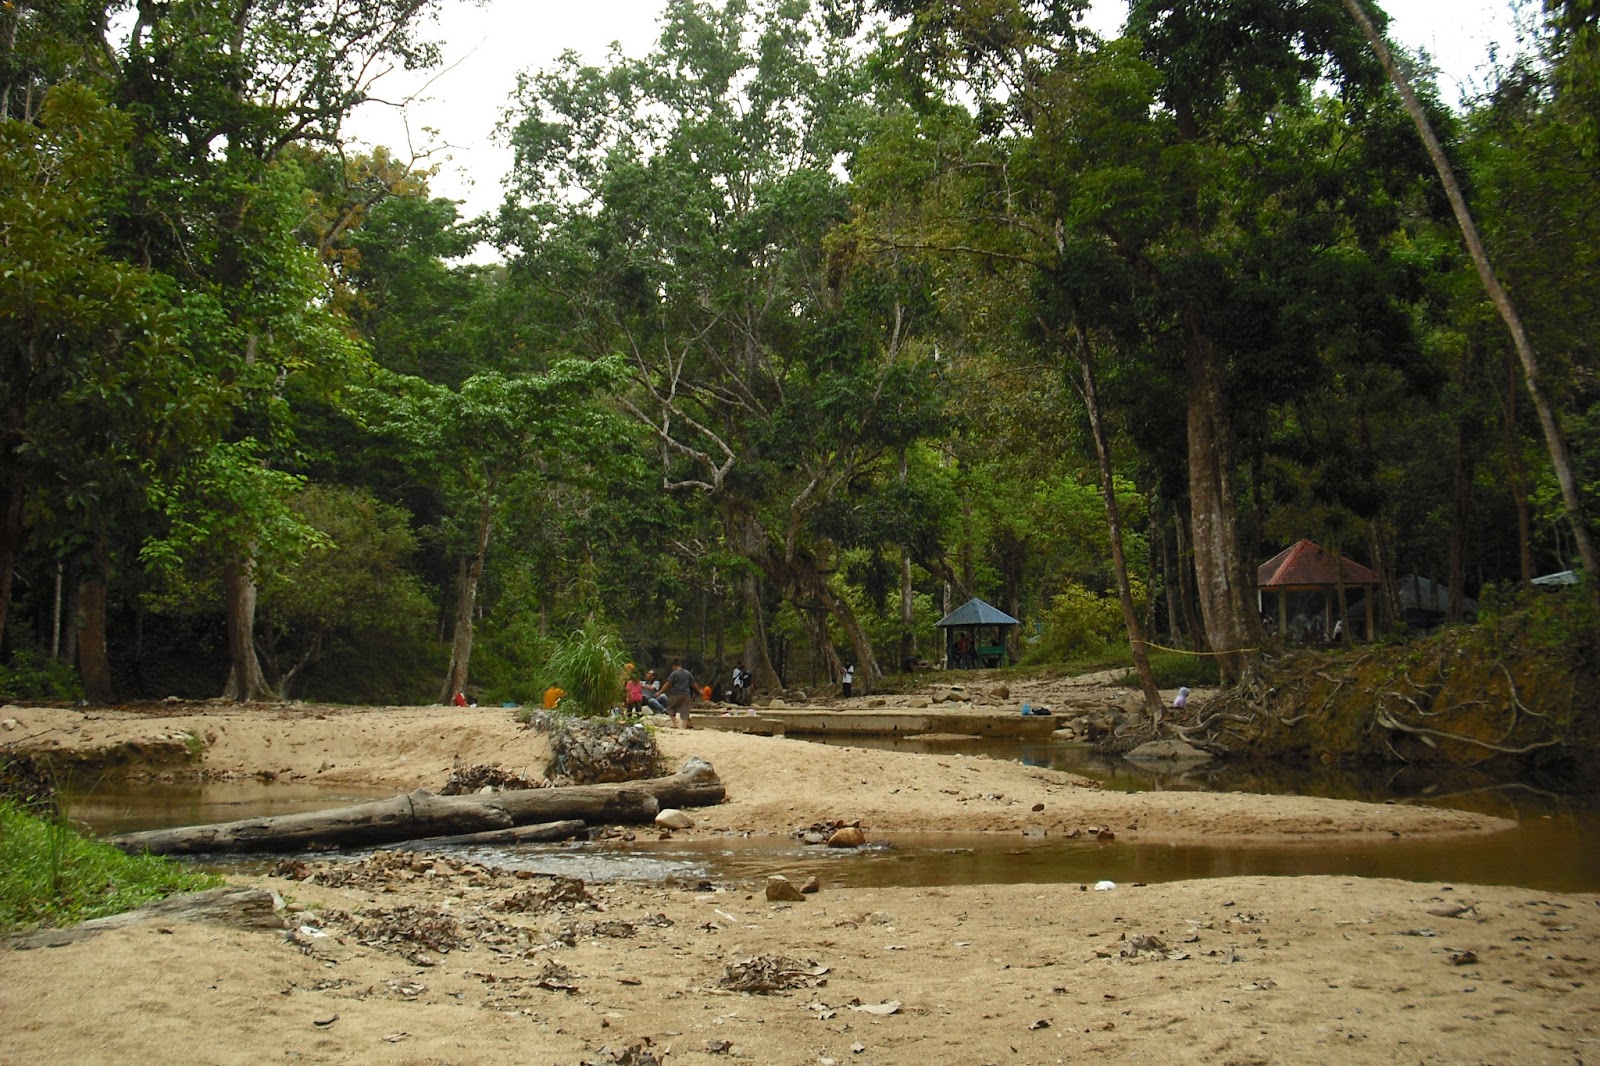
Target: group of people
{"x":672,"y":697}
{"x":675,"y":695}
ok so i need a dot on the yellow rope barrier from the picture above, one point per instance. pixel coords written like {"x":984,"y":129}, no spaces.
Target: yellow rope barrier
{"x":1190,"y":651}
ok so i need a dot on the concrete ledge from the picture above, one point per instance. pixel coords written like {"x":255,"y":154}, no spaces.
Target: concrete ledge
{"x":882,"y":721}
{"x":738,"y":723}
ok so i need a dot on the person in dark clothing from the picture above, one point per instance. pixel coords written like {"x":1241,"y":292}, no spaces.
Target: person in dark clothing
{"x":679,"y":691}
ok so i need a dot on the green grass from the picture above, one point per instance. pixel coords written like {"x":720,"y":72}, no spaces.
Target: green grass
{"x":50,"y":875}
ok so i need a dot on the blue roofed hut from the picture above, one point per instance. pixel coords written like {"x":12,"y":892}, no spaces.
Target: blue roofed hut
{"x":975,"y":635}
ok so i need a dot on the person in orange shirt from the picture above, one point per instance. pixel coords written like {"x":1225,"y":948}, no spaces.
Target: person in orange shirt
{"x":552,"y":696}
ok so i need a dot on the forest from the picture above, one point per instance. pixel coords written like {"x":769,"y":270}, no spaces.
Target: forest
{"x":794,"y":333}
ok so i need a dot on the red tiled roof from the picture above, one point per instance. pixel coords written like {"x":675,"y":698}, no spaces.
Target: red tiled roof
{"x":1304,"y":565}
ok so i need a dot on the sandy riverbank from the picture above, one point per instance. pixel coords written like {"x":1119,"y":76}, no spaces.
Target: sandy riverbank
{"x":429,"y":963}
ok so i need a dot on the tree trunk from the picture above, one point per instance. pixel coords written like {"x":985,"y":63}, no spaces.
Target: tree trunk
{"x":421,"y":815}
{"x":245,"y":678}
{"x":908,"y":600}
{"x":455,"y":679}
{"x":825,"y":664}
{"x":94,"y":661}
{"x":1460,"y":514}
{"x":755,"y":659}
{"x":10,"y":537}
{"x":1388,"y":593}
{"x":812,"y":583}
{"x":908,"y":614}
{"x":1164,"y":545}
{"x":1555,"y":441}
{"x":1119,"y":562}
{"x":1517,"y":476}
{"x":749,"y":540}
{"x":58,"y":594}
{"x":1232,"y":625}
{"x":1193,"y":629}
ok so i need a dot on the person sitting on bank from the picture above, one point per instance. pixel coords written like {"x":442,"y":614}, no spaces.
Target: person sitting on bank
{"x":964,"y":656}
{"x":680,"y":693}
{"x":632,"y":692}
{"x":651,"y":690}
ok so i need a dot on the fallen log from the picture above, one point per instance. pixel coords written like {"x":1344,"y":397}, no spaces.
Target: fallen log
{"x":422,"y":815}
{"x":543,"y":832}
{"x":231,"y":905}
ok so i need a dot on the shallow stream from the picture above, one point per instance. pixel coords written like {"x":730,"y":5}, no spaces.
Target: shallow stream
{"x":1553,"y":847}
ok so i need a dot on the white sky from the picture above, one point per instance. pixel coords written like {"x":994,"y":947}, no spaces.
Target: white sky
{"x":486,"y":46}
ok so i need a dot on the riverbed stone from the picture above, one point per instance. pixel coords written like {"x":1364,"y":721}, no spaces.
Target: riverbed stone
{"x":782,"y":890}
{"x":848,"y":837}
{"x":672,"y":818}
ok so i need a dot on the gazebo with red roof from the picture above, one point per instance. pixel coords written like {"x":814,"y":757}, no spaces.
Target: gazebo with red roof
{"x":1305,"y":567}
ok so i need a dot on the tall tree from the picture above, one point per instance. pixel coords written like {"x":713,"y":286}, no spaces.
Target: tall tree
{"x":1549,"y":420}
{"x":221,"y":90}
{"x":676,"y":209}
{"x":484,"y":445}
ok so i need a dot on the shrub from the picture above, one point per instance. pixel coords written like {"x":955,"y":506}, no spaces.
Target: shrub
{"x":1080,"y":624}
{"x":33,"y":675}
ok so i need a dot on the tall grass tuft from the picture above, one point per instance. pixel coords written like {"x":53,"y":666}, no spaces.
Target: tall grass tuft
{"x":50,"y":875}
{"x":588,"y":665}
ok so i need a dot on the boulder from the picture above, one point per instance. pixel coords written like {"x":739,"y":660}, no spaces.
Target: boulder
{"x":782,"y":890}
{"x":848,"y":837}
{"x":672,"y":818}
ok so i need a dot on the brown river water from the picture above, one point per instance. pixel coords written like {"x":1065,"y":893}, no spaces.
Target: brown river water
{"x":1554,"y":846}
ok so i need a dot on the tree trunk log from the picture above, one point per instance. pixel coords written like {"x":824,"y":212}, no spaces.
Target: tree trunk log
{"x":420,"y":815}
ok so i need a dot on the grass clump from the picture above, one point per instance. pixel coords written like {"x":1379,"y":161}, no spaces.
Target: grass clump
{"x":50,"y":875}
{"x":588,"y":666}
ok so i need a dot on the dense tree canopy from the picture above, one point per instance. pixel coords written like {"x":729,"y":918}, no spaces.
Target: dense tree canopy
{"x":807,"y":325}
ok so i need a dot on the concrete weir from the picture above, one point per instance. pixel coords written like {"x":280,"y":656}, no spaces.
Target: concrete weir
{"x":881,"y":722}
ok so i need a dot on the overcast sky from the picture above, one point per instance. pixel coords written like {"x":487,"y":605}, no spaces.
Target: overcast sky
{"x":486,"y":46}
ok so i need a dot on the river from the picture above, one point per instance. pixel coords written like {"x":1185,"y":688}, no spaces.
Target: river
{"x":1553,"y":847}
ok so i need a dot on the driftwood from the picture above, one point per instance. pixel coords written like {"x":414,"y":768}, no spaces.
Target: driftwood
{"x":520,"y":834}
{"x":240,"y":908}
{"x":422,"y":815}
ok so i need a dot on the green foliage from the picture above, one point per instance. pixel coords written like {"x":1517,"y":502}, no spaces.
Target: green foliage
{"x":1177,"y":669}
{"x":229,"y":499}
{"x":385,"y":668}
{"x":1080,"y":623}
{"x":510,"y":662}
{"x":350,"y":585}
{"x":588,"y":664}
{"x":52,"y":876}
{"x":33,"y":675}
